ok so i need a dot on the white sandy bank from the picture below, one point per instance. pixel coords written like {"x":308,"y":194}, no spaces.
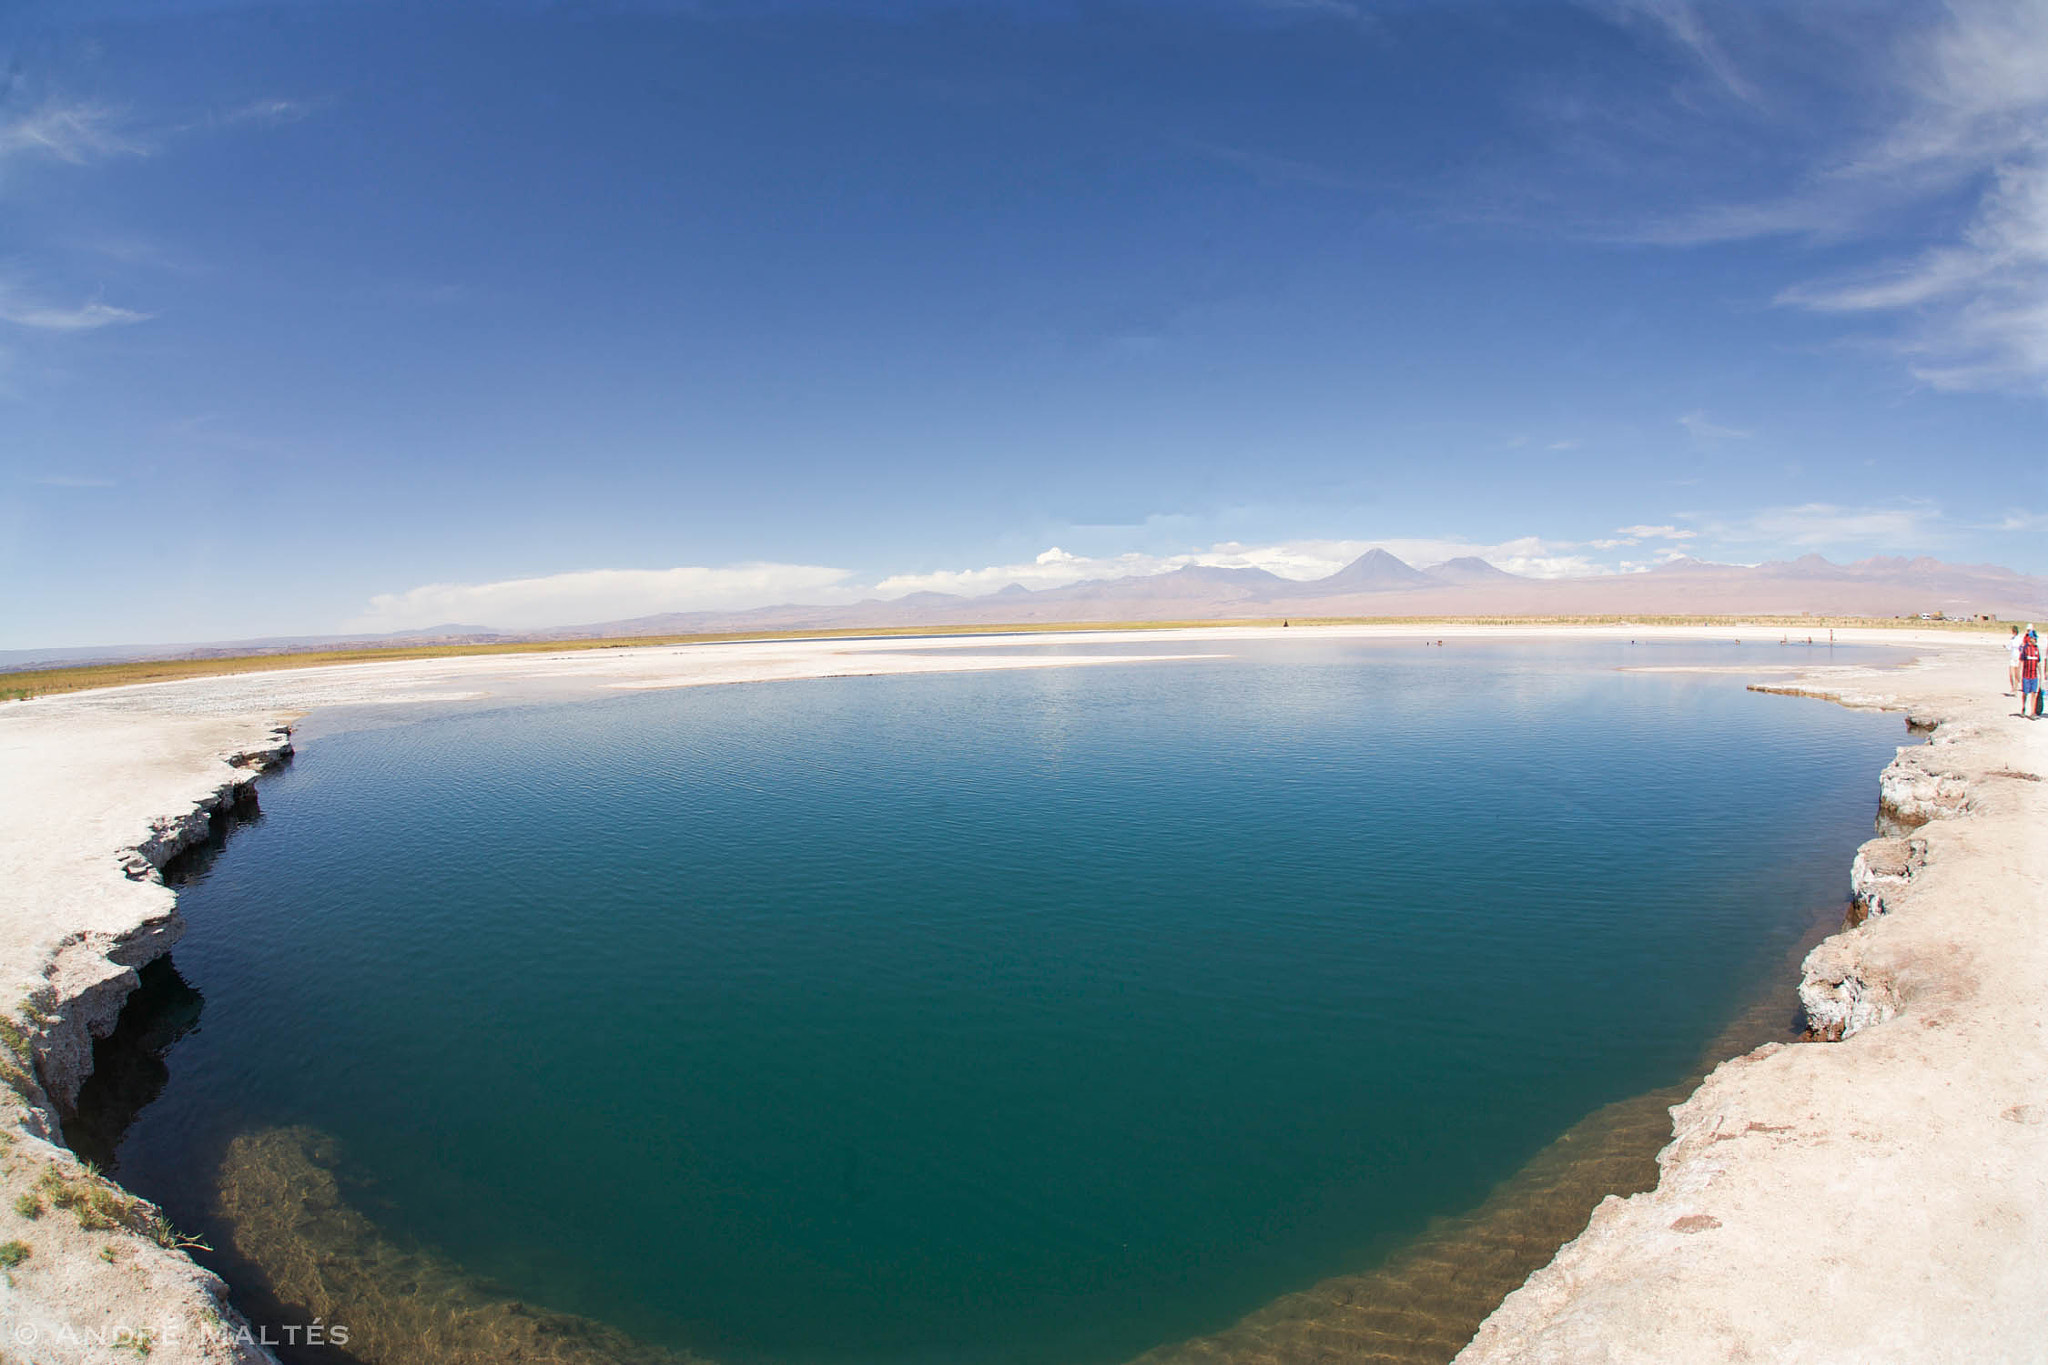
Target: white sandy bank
{"x":1900,"y":1170}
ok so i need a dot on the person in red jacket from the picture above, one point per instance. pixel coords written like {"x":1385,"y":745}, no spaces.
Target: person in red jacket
{"x":2030,"y":674}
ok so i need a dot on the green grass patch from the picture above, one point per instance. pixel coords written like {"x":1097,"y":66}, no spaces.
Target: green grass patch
{"x":13,"y":1254}
{"x":100,"y":1205}
{"x":15,"y":1039}
{"x":16,"y":1078}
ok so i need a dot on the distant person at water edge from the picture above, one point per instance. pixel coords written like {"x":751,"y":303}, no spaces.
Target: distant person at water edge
{"x":2030,"y":673}
{"x":2012,"y":650}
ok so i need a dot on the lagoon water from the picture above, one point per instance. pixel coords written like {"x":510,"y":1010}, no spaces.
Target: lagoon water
{"x":1005,"y":1017}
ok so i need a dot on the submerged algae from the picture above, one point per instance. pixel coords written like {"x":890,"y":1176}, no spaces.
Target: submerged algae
{"x":298,"y":1252}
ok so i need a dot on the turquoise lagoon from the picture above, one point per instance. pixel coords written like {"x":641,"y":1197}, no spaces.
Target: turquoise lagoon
{"x":1008,"y":1017}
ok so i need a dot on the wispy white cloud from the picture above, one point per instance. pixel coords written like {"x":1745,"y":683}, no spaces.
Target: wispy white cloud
{"x":1055,"y":568}
{"x":1345,"y":11}
{"x":81,"y":131}
{"x":1636,"y":535}
{"x":1979,"y":305}
{"x":1680,"y":21}
{"x":264,"y":113}
{"x":71,"y":481}
{"x":85,"y":317}
{"x":595,"y":595}
{"x":1697,"y":425}
{"x":1537,"y":557}
{"x":1269,"y":167}
{"x":1815,"y":525}
{"x":1966,"y":126}
{"x":267,"y":111}
{"x":71,"y":131}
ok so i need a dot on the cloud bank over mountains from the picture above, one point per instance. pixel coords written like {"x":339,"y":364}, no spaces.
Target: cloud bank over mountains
{"x":1299,"y":560}
{"x":599,"y":594}
{"x":552,"y":600}
{"x":1374,"y":585}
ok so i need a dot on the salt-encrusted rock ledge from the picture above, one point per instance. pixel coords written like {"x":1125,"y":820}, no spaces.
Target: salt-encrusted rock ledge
{"x":1883,"y":1197}
{"x":84,"y":905}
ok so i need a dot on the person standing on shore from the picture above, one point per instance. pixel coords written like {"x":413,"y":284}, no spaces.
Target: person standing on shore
{"x":2030,"y":673}
{"x":2012,"y":649}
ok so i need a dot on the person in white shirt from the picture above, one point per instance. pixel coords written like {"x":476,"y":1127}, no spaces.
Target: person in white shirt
{"x":2012,"y":653}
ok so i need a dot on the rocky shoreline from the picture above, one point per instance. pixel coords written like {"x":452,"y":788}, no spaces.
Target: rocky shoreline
{"x":101,"y":1274}
{"x":1659,"y":1276}
{"x":94,"y":974}
{"x":1880,"y":1194}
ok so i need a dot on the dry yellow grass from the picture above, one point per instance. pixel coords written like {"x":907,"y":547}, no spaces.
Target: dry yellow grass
{"x":50,"y":681}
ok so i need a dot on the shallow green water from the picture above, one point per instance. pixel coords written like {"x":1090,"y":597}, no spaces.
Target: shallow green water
{"x":999,"y":1017}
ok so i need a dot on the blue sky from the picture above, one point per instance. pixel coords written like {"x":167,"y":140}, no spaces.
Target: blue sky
{"x":337,"y":316}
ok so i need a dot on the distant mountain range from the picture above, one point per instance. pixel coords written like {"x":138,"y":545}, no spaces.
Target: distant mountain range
{"x":1374,"y":584}
{"x":1379,"y":584}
